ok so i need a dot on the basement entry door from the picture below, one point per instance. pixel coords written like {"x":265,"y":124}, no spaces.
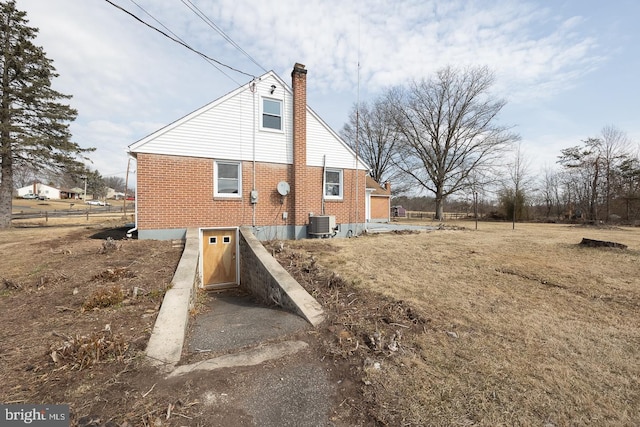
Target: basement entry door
{"x":218,"y":257}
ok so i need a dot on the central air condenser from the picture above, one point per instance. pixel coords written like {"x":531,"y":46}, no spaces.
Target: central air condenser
{"x":322,"y":225}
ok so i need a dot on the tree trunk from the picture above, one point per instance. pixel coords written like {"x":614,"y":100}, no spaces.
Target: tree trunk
{"x":6,"y":169}
{"x":439,"y":207}
{"x":6,"y":153}
{"x":6,"y":193}
{"x":593,"y":203}
{"x":601,"y":244}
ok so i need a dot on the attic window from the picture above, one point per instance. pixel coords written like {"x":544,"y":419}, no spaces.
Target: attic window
{"x":271,"y":114}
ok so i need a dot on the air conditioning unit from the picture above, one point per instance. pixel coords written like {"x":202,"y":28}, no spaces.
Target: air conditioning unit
{"x":322,"y":225}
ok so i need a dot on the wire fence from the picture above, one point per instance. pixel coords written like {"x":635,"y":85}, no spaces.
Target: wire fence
{"x":418,"y":215}
{"x":71,"y":213}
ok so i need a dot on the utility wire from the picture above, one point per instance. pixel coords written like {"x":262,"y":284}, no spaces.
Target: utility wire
{"x":178,"y":41}
{"x":213,"y":64}
{"x":219,"y":30}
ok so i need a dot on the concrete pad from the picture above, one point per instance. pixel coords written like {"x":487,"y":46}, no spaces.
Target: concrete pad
{"x":251,"y":357}
{"x":296,"y":394}
{"x":236,"y":320}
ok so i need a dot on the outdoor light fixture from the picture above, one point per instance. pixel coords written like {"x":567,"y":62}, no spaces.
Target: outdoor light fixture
{"x":273,"y":89}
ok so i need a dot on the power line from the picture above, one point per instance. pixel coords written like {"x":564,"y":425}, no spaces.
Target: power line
{"x":179,"y":38}
{"x":178,"y":41}
{"x":219,"y":30}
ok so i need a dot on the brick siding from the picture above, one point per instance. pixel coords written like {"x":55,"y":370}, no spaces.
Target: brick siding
{"x":177,"y":192}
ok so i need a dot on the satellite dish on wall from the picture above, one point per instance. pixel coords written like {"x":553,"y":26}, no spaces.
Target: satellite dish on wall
{"x":283,"y":188}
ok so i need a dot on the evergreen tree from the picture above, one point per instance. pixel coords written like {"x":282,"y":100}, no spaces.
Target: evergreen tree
{"x":34,"y":121}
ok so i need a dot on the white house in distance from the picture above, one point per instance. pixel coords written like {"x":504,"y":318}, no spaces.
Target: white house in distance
{"x":41,"y":190}
{"x":50,"y":192}
{"x":113,"y":194}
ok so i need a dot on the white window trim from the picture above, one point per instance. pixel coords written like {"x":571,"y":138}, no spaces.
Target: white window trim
{"x":281,"y":130}
{"x":324,"y":185}
{"x":215,"y":180}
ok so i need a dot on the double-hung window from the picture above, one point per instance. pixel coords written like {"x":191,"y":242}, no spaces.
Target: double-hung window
{"x":227,"y":179}
{"x":333,"y":184}
{"x":271,"y":114}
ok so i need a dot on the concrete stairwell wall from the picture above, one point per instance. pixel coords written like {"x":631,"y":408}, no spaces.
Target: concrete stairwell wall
{"x":264,"y":277}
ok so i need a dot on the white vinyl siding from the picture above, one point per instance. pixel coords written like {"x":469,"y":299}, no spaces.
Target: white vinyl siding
{"x":230,"y":128}
{"x":325,"y":148}
{"x":227,"y":179}
{"x":224,"y":129}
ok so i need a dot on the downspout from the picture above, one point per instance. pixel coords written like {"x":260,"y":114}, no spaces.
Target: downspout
{"x":357,"y":149}
{"x":324,"y":177}
{"x":135,"y":228}
{"x":253,"y":174}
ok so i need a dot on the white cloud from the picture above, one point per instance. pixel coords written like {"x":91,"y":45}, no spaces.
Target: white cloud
{"x":128,"y":80}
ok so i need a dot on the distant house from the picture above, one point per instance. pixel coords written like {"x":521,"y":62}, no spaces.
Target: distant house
{"x":113,"y":194}
{"x":76,"y":193}
{"x":41,"y":190}
{"x":258,"y":156}
{"x":378,"y":201}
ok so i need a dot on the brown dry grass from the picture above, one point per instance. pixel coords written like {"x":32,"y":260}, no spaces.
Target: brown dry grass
{"x":521,"y":327}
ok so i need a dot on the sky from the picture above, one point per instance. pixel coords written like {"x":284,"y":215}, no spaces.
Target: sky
{"x":567,"y":68}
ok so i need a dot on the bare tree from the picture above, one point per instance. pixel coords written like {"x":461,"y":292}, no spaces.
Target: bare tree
{"x":627,"y":184}
{"x":591,"y":169}
{"x":448,"y":127}
{"x":551,"y":192}
{"x":115,"y":182}
{"x":520,"y":180}
{"x":23,"y":175}
{"x":583,"y":170}
{"x":614,"y":147}
{"x":370,"y":132}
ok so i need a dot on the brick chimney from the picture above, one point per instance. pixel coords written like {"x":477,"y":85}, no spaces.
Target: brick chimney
{"x":299,"y":85}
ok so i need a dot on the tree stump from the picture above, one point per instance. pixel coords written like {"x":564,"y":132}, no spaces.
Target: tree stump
{"x":601,"y":244}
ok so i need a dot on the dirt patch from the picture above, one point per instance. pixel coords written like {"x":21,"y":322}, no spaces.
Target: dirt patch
{"x":77,"y":313}
{"x":453,"y":327}
{"x":77,"y":317}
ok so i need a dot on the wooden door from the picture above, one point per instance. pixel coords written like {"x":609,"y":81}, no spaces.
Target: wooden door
{"x":219,"y":261}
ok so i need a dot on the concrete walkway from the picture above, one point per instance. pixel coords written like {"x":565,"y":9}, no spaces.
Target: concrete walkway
{"x":244,"y":331}
{"x":288,"y":386}
{"x":241,"y":333}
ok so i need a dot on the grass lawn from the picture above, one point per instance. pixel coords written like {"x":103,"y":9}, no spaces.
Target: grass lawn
{"x":515,"y":327}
